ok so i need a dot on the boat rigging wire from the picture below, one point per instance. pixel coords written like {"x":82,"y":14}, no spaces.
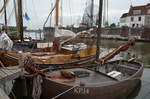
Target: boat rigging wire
{"x":9,"y":18}
{"x":64,"y":92}
{"x":50,"y":13}
{"x":1,"y":9}
{"x":13,"y":94}
{"x":131,"y":2}
{"x":1,"y":16}
{"x":34,"y":10}
{"x":70,"y":11}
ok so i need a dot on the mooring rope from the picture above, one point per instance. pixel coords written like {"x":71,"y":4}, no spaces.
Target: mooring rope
{"x":64,"y":92}
{"x":37,"y":88}
{"x":4,"y":5}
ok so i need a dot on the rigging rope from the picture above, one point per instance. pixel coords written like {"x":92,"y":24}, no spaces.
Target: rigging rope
{"x":1,"y":16}
{"x":65,"y":92}
{"x":50,"y":14}
{"x":70,"y":11}
{"x":9,"y":18}
{"x":1,"y":9}
{"x":34,"y":8}
{"x":37,"y":87}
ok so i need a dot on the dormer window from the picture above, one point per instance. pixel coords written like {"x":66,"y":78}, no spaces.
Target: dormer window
{"x":136,"y":12}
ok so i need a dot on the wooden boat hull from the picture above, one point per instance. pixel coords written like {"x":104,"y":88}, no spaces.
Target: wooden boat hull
{"x":45,"y":59}
{"x":109,"y":90}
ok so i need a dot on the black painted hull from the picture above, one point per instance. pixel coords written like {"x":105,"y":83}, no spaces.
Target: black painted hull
{"x":117,"y":90}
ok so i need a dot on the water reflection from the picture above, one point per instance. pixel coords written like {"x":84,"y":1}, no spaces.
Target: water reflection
{"x":135,"y":91}
{"x":140,"y":50}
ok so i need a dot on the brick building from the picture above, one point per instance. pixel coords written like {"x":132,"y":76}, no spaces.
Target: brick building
{"x":137,"y":16}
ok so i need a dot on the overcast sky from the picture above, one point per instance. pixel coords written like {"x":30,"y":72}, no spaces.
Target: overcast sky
{"x":73,"y":10}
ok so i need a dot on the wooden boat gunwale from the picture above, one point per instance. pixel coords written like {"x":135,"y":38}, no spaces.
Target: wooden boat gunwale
{"x":75,"y":62}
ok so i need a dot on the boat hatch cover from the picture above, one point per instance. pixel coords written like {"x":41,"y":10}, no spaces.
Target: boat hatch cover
{"x":81,"y":74}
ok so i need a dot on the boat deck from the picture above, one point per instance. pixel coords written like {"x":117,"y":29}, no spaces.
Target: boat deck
{"x":92,"y":78}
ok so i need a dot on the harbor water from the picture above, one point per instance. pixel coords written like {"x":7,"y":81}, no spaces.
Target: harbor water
{"x":141,"y":51}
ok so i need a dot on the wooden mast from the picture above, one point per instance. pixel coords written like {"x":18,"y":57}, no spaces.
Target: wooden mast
{"x":57,"y":13}
{"x":92,"y":8}
{"x":99,"y":30}
{"x":5,"y":16}
{"x":16,"y":14}
{"x":20,"y":20}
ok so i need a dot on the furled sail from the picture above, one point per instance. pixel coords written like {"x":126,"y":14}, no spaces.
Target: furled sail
{"x":63,"y":33}
{"x":5,"y":42}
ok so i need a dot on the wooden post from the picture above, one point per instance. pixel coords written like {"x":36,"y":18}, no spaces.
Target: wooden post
{"x":99,"y":30}
{"x":5,"y":16}
{"x":20,"y":20}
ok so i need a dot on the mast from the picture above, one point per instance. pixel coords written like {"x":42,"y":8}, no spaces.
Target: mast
{"x":57,"y":12}
{"x":104,"y":15}
{"x":5,"y":16}
{"x":61,"y":12}
{"x":15,"y":7}
{"x":20,"y":20}
{"x":51,"y":15}
{"x":99,"y":30}
{"x":92,"y":8}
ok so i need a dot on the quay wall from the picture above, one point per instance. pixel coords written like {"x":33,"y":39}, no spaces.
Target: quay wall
{"x":117,"y":33}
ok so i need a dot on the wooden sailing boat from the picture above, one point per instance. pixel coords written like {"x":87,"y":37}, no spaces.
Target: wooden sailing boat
{"x":117,"y":83}
{"x":113,"y":80}
{"x":67,"y":54}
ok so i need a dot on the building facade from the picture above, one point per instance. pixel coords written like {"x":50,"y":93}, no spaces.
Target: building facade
{"x":138,"y":16}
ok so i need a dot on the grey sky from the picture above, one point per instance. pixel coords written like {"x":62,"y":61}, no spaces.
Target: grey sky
{"x":38,"y":10}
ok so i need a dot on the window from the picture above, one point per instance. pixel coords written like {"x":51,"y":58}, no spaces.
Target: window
{"x":137,"y":25}
{"x":133,"y":25}
{"x":139,"y":18}
{"x":132,"y":19}
{"x":148,"y":11}
{"x":135,"y":12}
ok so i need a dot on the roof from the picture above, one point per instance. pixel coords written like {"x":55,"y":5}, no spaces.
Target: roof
{"x":124,"y":15}
{"x":144,"y":10}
